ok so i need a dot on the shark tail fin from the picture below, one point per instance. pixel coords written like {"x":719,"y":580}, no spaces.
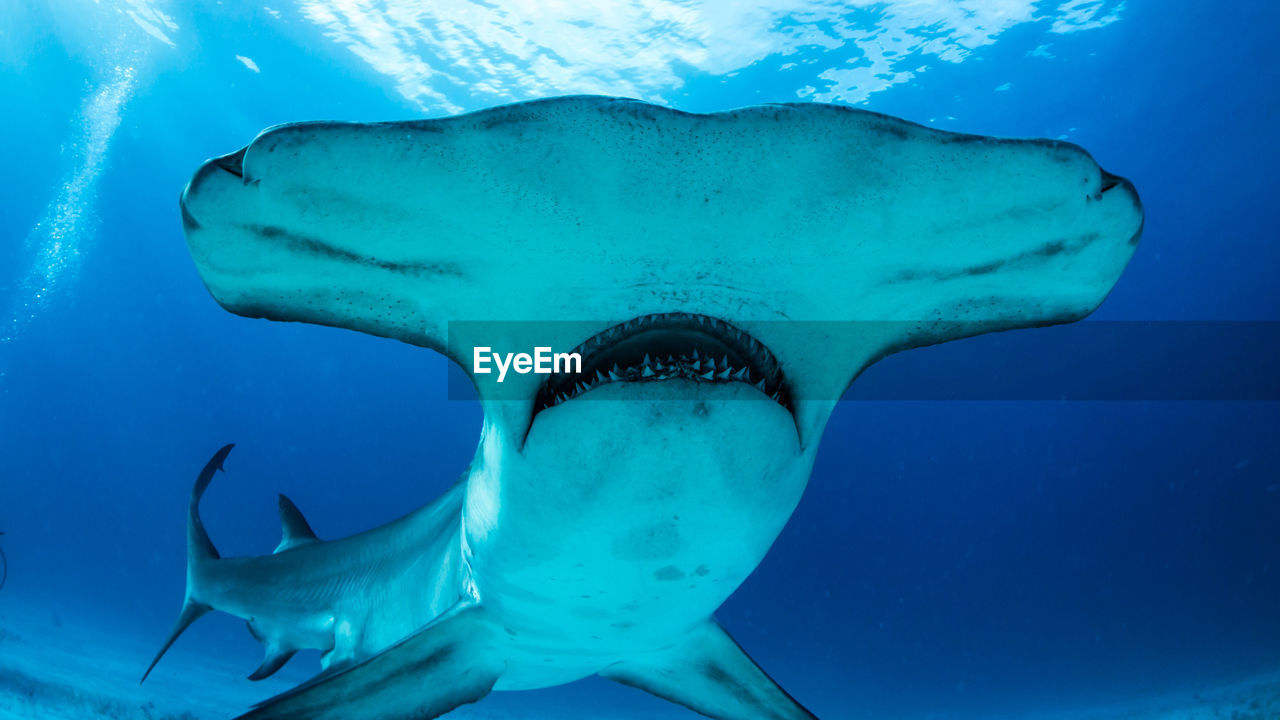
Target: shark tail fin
{"x":200,"y":552}
{"x":191,"y":611}
{"x":711,"y":674}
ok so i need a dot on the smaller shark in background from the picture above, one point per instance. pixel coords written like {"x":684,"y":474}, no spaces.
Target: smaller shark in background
{"x":743,"y":268}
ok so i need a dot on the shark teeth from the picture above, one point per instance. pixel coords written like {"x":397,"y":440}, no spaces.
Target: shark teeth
{"x":698,"y":348}
{"x":670,"y":367}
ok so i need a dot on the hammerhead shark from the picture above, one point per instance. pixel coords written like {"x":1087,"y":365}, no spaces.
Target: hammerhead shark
{"x":723,"y":278}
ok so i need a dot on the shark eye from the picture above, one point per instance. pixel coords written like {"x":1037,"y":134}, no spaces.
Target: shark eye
{"x":668,"y":346}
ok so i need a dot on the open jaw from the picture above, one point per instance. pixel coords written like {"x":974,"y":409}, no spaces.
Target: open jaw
{"x":667,"y":346}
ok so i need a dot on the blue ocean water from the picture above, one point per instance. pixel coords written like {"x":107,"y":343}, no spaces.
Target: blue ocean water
{"x":1000,"y":557}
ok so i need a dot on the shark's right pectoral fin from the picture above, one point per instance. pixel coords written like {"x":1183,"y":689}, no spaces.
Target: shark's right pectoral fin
{"x":709,"y":673}
{"x":449,"y":662}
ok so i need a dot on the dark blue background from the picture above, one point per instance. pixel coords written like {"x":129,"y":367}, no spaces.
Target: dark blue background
{"x":970,"y":556}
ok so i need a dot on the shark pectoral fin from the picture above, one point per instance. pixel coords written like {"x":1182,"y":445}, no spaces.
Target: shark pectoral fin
{"x":709,"y":673}
{"x":295,"y":530}
{"x":450,"y":662}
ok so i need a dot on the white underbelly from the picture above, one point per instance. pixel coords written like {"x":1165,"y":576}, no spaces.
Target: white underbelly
{"x":592,"y":550}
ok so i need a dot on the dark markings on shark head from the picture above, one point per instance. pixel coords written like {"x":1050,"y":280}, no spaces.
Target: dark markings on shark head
{"x":319,"y":248}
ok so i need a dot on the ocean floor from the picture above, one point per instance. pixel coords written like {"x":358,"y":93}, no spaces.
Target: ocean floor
{"x":1257,"y":698}
{"x":56,"y":667}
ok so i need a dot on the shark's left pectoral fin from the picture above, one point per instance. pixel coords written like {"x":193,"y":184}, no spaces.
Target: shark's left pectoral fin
{"x":710,"y":673}
{"x":449,"y":662}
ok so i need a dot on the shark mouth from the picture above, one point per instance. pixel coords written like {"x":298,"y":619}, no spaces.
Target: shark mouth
{"x":660,"y":347}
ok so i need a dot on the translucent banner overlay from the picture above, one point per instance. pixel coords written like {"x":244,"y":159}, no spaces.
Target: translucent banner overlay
{"x":1184,"y":361}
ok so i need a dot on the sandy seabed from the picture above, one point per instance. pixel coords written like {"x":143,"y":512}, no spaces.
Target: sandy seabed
{"x":61,"y":669}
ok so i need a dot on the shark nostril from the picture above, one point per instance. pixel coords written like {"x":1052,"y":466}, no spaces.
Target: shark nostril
{"x":189,"y":222}
{"x":233,"y":163}
{"x":1109,"y":181}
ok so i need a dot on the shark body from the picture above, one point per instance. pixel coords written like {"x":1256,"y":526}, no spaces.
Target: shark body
{"x":744,"y":267}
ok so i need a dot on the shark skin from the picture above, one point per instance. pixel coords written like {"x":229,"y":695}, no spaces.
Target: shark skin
{"x":742,"y":269}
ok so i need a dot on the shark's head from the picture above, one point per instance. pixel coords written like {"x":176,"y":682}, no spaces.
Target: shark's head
{"x":722,"y":277}
{"x":787,"y":245}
